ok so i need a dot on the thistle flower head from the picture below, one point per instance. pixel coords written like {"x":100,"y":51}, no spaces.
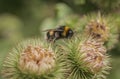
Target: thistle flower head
{"x":36,"y":59}
{"x":75,"y":66}
{"x":94,"y":54}
{"x":32,"y":59}
{"x":104,"y":28}
{"x":97,"y":29}
{"x":85,"y":59}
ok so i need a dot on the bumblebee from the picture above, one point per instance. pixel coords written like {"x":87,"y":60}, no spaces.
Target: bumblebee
{"x":59,"y":33}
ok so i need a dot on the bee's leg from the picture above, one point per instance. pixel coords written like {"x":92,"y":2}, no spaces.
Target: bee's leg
{"x":54,"y":40}
{"x":48,"y":40}
{"x":57,"y":35}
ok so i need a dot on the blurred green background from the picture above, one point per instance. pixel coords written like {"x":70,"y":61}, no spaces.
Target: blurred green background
{"x":21,"y":19}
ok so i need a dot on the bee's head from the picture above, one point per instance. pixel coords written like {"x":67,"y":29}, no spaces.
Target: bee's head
{"x":70,"y":33}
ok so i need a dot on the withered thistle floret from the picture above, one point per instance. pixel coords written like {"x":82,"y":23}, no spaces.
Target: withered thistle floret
{"x":97,"y":29}
{"x":36,"y":59}
{"x":94,"y":54}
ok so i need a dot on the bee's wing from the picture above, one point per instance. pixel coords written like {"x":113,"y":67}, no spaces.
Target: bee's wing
{"x":47,"y":30}
{"x":58,"y":30}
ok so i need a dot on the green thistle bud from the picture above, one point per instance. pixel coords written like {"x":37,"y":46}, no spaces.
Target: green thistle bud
{"x":32,"y":59}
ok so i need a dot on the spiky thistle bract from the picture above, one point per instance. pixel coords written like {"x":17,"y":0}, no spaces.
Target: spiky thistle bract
{"x":75,"y":66}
